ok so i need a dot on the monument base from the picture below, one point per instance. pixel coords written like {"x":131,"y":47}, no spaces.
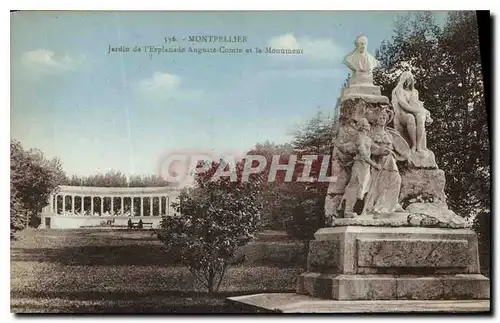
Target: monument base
{"x":393,"y":287}
{"x":366,"y":89}
{"x":393,"y":263}
{"x":295,"y":303}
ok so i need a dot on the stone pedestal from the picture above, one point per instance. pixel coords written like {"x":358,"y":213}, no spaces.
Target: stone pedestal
{"x":393,"y":263}
{"x":422,"y":185}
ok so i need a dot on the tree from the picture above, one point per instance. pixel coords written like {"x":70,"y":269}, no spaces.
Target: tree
{"x":116,"y":179}
{"x":271,"y":195}
{"x":33,"y":178}
{"x":482,"y":226}
{"x":295,"y":206}
{"x":316,"y":135}
{"x":147,"y":181}
{"x":215,"y":218}
{"x":109,"y":179}
{"x":462,"y":98}
{"x":304,"y":201}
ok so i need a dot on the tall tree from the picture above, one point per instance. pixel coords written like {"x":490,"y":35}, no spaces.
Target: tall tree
{"x":109,"y":179}
{"x":271,"y":195}
{"x":316,"y":134}
{"x":462,"y":98}
{"x":116,"y":179}
{"x":33,"y":177}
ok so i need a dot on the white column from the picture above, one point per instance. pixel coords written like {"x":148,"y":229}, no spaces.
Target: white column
{"x":160,"y":198}
{"x":167,"y":206}
{"x":122,"y":204}
{"x":72,"y":204}
{"x":112,"y":198}
{"x":151,"y":205}
{"x":64,"y":204}
{"x":132,"y":206}
{"x":142,"y":206}
{"x":102,"y":205}
{"x":82,"y":211}
{"x":92,"y":205}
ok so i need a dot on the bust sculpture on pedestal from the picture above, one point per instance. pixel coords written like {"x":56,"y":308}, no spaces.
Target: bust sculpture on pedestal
{"x":361,"y":63}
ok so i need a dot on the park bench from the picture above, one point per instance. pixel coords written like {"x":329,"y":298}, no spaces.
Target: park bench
{"x":145,"y":225}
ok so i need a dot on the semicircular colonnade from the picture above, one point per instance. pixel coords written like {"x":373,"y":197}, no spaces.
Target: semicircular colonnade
{"x":83,"y":203}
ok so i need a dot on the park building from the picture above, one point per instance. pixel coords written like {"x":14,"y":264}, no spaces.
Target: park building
{"x":75,"y":207}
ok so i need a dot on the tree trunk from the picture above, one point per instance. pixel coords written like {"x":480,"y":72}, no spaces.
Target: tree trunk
{"x":210,"y":282}
{"x":305,"y":253}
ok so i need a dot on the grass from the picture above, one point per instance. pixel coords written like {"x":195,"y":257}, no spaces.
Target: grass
{"x":120,"y":272}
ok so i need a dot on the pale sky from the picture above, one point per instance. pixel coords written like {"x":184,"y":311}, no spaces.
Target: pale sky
{"x":100,"y":112}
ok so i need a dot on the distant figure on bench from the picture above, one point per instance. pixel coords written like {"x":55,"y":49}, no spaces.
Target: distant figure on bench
{"x":130,"y":224}
{"x":140,"y":224}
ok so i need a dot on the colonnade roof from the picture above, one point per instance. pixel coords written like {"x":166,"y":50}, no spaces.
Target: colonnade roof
{"x":90,"y":190}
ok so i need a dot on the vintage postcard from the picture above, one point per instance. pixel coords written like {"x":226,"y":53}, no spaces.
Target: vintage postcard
{"x":250,"y":162}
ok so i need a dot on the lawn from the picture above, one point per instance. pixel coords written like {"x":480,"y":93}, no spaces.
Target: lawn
{"x":120,"y":271}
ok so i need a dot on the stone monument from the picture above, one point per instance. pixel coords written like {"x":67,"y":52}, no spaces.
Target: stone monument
{"x":390,"y":234}
{"x":390,"y":243}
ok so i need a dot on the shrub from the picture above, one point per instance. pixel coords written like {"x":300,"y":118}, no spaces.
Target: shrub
{"x":214,"y":219}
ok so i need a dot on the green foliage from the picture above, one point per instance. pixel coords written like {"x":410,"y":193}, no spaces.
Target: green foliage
{"x":306,"y":201}
{"x":316,"y":135}
{"x":17,"y":214}
{"x":147,"y":181}
{"x":109,"y":179}
{"x":304,"y":207}
{"x":215,"y":218}
{"x":271,"y":197}
{"x":33,"y":178}
{"x":298,"y":207}
{"x":116,"y":179}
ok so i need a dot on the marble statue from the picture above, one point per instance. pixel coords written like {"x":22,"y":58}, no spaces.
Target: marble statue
{"x":410,"y":114}
{"x":361,"y":63}
{"x":383,"y":194}
{"x":360,"y":173}
{"x":383,"y":173}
